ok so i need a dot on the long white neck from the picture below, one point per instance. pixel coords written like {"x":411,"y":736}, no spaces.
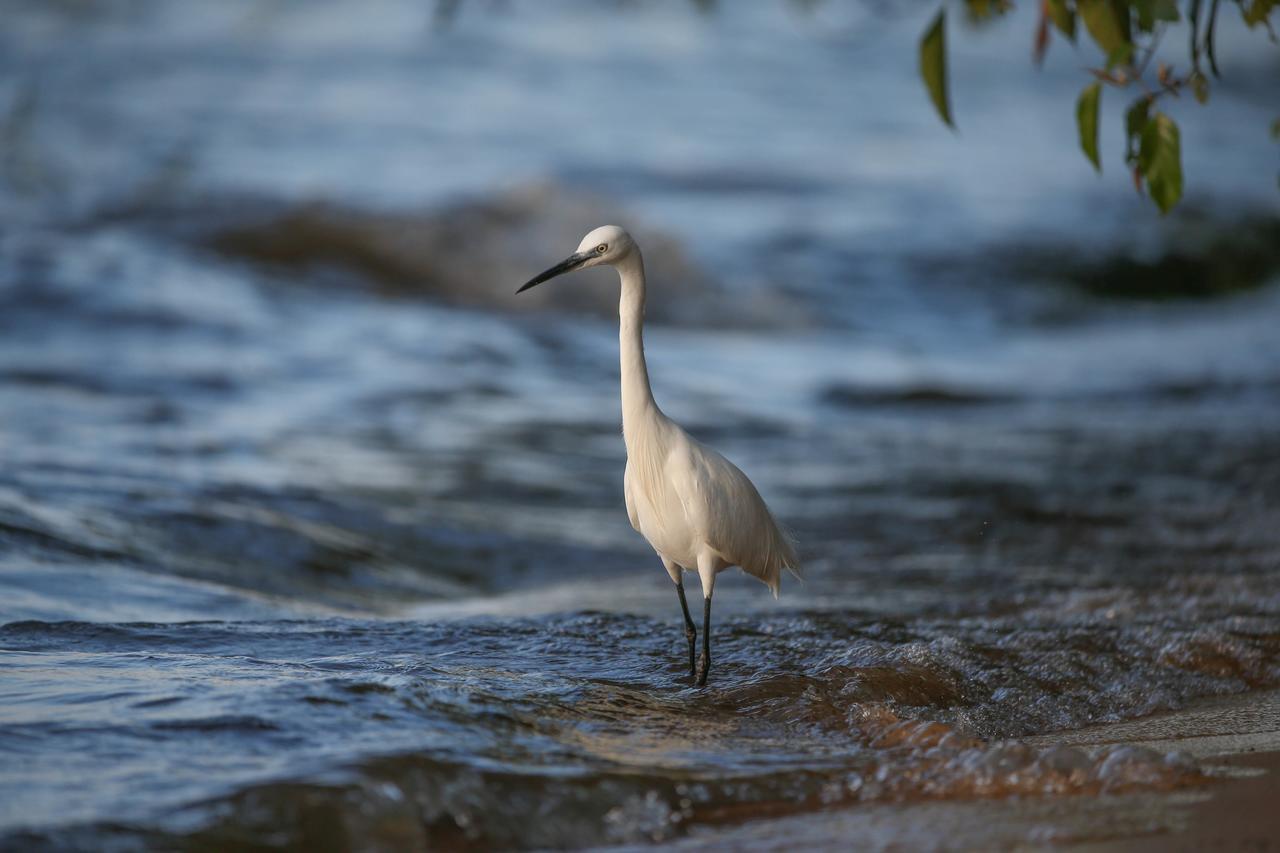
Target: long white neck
{"x":637,"y":397}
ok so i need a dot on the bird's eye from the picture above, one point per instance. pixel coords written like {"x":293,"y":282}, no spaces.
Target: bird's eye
{"x":602,"y":248}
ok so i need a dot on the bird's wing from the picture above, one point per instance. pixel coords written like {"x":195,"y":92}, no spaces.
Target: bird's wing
{"x":728,"y":513}
{"x":631,"y":501}
{"x":725,"y":507}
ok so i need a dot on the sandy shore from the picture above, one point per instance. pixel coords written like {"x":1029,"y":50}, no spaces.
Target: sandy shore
{"x":1239,"y":739}
{"x":1236,"y":738}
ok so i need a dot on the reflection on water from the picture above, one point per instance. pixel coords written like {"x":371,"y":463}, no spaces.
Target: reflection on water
{"x":306,"y":537}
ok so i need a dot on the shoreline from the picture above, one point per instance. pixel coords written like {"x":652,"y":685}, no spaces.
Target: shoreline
{"x":1238,"y":740}
{"x":1235,"y":738}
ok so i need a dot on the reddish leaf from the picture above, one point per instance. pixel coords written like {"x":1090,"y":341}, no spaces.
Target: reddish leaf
{"x":1042,"y":37}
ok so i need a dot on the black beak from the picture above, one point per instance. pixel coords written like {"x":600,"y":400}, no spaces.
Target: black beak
{"x":569,"y":264}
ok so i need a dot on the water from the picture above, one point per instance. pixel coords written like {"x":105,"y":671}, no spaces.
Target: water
{"x":326,"y":546}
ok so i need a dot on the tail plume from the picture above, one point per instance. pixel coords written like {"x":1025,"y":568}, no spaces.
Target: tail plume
{"x":778,"y":553}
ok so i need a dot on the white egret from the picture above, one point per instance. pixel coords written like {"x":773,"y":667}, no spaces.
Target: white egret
{"x":693,"y":506}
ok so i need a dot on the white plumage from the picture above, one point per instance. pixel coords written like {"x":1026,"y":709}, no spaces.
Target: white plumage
{"x":696,"y":509}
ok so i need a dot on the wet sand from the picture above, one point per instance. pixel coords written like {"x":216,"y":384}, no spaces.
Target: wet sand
{"x":1239,"y":740}
{"x":1239,"y":813}
{"x":1236,"y":739}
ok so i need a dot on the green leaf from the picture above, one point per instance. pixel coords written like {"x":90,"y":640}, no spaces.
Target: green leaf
{"x":933,"y":65}
{"x":1161,"y":161}
{"x":1152,"y":11}
{"x":1199,"y":86}
{"x":1120,"y":56}
{"x":1257,"y":12}
{"x":1135,"y":118}
{"x":1107,"y":22}
{"x":1063,"y":18}
{"x":1087,"y":122}
{"x":1135,"y":121}
{"x":985,"y":10}
{"x":1146,"y":19}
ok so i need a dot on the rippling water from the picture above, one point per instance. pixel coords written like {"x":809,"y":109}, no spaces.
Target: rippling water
{"x":583,"y":728}
{"x":296,"y":551}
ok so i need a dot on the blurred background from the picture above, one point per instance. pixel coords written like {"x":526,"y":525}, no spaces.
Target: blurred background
{"x":261,"y":363}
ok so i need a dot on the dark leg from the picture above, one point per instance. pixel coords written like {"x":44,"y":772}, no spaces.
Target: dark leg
{"x":706,"y":642}
{"x":690,"y":632}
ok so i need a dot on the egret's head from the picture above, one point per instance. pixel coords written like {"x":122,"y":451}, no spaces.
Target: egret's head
{"x":608,"y":244}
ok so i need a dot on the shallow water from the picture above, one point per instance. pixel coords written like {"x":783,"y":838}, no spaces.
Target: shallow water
{"x":289,"y":556}
{"x":579,"y":728}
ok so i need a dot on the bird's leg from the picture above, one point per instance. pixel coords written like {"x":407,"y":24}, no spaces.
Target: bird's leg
{"x":706,"y":642}
{"x":690,"y":632}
